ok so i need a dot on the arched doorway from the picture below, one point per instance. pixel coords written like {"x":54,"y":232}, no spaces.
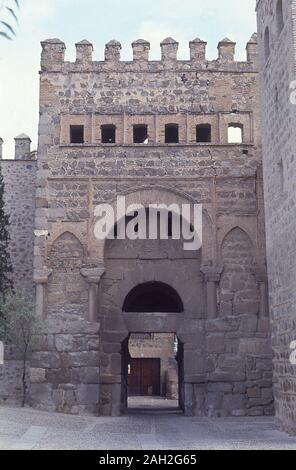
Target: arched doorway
{"x":153,"y":362}
{"x":177,"y":306}
{"x":153,"y":297}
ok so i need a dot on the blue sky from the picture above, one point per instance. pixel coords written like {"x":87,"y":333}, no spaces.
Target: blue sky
{"x":99,"y":21}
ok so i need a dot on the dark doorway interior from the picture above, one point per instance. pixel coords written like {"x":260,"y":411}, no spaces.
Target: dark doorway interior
{"x":153,"y":297}
{"x":152,"y":363}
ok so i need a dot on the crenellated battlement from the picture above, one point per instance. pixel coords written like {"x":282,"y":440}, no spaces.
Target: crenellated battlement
{"x":22,"y":148}
{"x":53,"y":56}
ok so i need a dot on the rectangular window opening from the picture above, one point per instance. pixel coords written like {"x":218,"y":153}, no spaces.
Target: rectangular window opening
{"x":108,"y":134}
{"x":77,"y":134}
{"x":235,"y":133}
{"x":140,"y":134}
{"x":171,"y":134}
{"x":203,"y":134}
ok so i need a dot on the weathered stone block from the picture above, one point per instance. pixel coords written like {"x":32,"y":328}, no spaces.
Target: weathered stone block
{"x":254,"y":392}
{"x":116,"y":361}
{"x":249,"y":324}
{"x":80,"y":359}
{"x":215,"y":343}
{"x":220,"y":387}
{"x":41,"y":394}
{"x":46,"y":360}
{"x":234,"y":402}
{"x":254,"y":346}
{"x":37,"y":375}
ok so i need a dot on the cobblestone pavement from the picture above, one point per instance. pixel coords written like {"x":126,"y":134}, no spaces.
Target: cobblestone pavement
{"x":26,"y":429}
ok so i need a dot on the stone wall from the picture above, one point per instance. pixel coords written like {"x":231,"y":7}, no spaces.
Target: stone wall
{"x":65,"y":365}
{"x":11,"y":377}
{"x":279,"y":139}
{"x":20,"y":188}
{"x":82,"y":282}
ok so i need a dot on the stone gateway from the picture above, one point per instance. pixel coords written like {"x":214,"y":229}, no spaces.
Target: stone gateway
{"x":157,"y":132}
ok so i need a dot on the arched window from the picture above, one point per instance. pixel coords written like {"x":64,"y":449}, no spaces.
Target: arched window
{"x":266,"y":43}
{"x":235,"y":133}
{"x":203,"y":133}
{"x":153,"y":297}
{"x":279,"y":16}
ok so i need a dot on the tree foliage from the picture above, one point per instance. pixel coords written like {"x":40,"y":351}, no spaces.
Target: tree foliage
{"x":8,"y":18}
{"x":20,"y":327}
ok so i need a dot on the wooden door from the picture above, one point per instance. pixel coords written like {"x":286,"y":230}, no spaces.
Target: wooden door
{"x":144,"y":377}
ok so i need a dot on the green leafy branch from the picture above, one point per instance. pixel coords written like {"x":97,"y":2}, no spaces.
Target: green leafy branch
{"x":11,"y":9}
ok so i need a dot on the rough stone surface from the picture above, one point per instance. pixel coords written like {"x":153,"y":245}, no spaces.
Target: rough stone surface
{"x":20,"y":187}
{"x":223,"y":325}
{"x":278,"y":69}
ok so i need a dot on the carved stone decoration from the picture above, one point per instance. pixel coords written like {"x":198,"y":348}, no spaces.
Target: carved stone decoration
{"x":41,"y":278}
{"x":262,"y":280}
{"x":212,"y":276}
{"x":93,"y":277}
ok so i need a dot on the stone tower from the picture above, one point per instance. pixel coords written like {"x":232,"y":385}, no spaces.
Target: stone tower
{"x":277,"y":45}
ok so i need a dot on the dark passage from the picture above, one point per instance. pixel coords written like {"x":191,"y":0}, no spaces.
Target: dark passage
{"x":153,"y":297}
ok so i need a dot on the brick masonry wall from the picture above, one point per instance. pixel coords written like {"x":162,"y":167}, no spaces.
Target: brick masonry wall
{"x":279,"y":140}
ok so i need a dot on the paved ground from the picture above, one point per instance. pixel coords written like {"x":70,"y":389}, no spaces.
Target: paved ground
{"x":140,"y":404}
{"x":29,"y":429}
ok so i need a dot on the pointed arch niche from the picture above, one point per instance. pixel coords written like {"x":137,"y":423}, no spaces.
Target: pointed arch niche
{"x":239,"y":292}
